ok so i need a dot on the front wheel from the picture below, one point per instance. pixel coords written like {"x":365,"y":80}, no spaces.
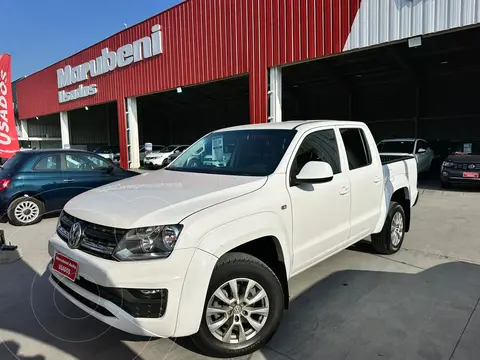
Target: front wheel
{"x":243,"y":308}
{"x":390,"y":239}
{"x":25,"y":211}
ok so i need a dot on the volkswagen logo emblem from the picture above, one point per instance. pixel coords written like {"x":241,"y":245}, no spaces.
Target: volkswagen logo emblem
{"x":471,"y":167}
{"x":75,"y":236}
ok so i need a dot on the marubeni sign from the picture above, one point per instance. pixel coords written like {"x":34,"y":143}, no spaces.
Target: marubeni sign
{"x":125,"y":55}
{"x":8,"y":130}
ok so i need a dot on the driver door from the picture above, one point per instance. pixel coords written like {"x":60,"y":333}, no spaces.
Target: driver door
{"x":423,"y":159}
{"x":83,"y":172}
{"x":321,"y":212}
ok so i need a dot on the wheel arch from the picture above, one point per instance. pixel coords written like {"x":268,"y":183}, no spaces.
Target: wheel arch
{"x":402,"y":196}
{"x":28,"y":194}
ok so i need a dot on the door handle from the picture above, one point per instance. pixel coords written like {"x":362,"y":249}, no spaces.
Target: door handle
{"x":68,"y":180}
{"x":377,"y":179}
{"x":344,"y":190}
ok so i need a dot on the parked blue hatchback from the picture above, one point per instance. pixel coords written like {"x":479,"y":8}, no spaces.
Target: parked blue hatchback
{"x":36,"y":182}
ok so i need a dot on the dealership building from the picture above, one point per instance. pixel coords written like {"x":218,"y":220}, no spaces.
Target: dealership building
{"x":409,"y":68}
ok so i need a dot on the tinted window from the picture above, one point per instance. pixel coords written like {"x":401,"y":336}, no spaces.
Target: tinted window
{"x":241,"y":152}
{"x":356,"y":146}
{"x":13,"y":162}
{"x":168,"y":148}
{"x":318,"y":146}
{"x":422,"y":145}
{"x":83,"y":162}
{"x":51,"y":162}
{"x":396,"y":147}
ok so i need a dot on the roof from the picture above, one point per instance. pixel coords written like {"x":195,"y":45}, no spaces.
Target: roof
{"x":291,"y":125}
{"x":401,"y":139}
{"x":50,"y":151}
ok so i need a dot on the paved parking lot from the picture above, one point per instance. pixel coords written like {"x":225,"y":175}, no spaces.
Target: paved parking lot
{"x":419,"y":304}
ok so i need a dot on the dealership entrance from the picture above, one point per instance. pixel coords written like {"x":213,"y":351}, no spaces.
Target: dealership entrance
{"x":181,"y":116}
{"x":422,"y":89}
{"x":92,"y":127}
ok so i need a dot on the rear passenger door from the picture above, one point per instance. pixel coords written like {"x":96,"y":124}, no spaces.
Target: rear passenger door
{"x":366,"y":174}
{"x":46,"y":180}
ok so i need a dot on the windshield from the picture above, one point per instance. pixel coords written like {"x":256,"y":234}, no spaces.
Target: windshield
{"x":12,"y":163}
{"x":242,"y":152}
{"x":396,"y":147}
{"x":168,"y":148}
{"x":467,"y":148}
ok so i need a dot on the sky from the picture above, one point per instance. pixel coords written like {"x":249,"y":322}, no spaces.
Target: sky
{"x":38,"y":33}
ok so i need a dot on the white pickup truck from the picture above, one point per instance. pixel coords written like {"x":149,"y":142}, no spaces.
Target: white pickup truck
{"x":208,"y":248}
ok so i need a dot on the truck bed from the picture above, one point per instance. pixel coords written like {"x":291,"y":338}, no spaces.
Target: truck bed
{"x":388,"y":158}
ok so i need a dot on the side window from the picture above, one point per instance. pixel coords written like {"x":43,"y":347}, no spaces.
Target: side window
{"x":356,"y":146}
{"x":100,"y":163}
{"x":81,"y":162}
{"x":48,"y":163}
{"x":318,"y":146}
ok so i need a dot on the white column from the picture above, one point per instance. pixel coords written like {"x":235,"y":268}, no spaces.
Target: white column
{"x":132,"y":133}
{"x":24,"y":129}
{"x":275,"y":94}
{"x":65,"y":129}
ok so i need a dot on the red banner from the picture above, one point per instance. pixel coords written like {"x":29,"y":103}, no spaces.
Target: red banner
{"x":8,"y":130}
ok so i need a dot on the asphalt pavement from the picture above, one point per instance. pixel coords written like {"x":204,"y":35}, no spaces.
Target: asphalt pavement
{"x":421,"y":303}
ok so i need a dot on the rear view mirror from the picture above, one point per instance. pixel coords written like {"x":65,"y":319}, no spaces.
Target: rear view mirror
{"x":315,"y":172}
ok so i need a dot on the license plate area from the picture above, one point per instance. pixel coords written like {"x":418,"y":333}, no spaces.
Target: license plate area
{"x":65,"y":266}
{"x":471,"y":175}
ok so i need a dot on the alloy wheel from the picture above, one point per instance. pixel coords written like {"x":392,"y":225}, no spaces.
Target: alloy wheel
{"x":396,"y":230}
{"x":237,"y":311}
{"x":27,"y":211}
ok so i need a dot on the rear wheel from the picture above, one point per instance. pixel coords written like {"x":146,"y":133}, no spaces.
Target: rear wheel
{"x":243,"y":307}
{"x":390,"y":239}
{"x":25,"y":211}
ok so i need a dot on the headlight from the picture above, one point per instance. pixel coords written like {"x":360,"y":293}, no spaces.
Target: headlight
{"x":148,"y":243}
{"x":58,"y":221}
{"x":447,"y":164}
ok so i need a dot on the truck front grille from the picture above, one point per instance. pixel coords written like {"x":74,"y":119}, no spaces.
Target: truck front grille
{"x":97,"y":240}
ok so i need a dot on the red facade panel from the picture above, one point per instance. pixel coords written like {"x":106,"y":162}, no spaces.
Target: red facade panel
{"x":205,"y":40}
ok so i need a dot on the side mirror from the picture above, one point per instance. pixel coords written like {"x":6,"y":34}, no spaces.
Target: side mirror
{"x":421,"y":151}
{"x":315,"y":172}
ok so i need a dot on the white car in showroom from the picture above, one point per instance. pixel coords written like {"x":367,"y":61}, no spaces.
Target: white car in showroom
{"x":159,"y":158}
{"x":419,"y":148}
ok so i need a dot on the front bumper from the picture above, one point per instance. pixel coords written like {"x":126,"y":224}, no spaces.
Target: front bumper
{"x":166,"y":274}
{"x":449,"y":175}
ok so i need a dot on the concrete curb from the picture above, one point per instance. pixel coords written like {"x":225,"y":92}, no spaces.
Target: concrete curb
{"x":10,"y":256}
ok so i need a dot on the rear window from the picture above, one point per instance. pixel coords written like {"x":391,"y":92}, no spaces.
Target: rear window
{"x":396,"y":147}
{"x":13,"y":162}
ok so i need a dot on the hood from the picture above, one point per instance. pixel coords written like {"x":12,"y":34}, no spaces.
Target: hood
{"x":158,"y":198}
{"x":463,"y":158}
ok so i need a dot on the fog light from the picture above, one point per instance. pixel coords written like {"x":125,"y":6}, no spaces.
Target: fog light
{"x":445,"y":173}
{"x":150,"y":292}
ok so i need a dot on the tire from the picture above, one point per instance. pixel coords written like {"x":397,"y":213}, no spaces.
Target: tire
{"x":386,"y":242}
{"x":245,"y":268}
{"x":36,"y":210}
